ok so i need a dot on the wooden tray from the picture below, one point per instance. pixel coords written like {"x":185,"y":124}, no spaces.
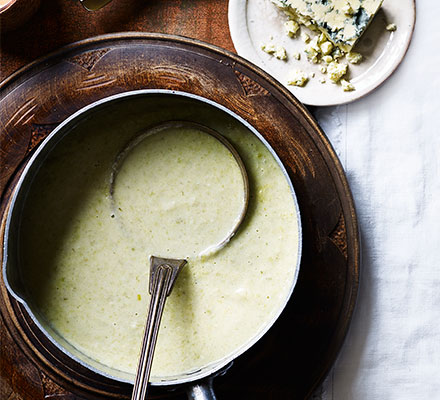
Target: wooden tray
{"x":293,"y":358}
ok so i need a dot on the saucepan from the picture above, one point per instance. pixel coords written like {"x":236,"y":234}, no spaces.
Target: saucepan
{"x":126,"y":114}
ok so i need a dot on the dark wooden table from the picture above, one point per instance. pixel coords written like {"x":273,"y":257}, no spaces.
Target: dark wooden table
{"x":60,"y":22}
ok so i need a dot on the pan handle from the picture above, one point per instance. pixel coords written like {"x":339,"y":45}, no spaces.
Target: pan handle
{"x":201,"y":391}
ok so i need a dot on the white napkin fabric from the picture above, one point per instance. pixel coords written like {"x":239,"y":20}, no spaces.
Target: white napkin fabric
{"x":389,"y":145}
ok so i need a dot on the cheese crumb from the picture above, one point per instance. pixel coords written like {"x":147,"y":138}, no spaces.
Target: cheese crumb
{"x":296,"y":56}
{"x":291,"y":27}
{"x":327,"y":59}
{"x":322,"y":80}
{"x":336,"y":71}
{"x":298,"y":78}
{"x":313,"y":50}
{"x":347,"y":86}
{"x":323,"y":69}
{"x":326,"y":48}
{"x":275,"y":50}
{"x":391,"y":27}
{"x":305,"y":37}
{"x":337,"y":53}
{"x":322,"y":38}
{"x":353,"y":58}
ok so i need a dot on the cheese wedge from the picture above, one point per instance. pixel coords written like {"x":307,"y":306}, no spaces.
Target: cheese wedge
{"x":342,"y":21}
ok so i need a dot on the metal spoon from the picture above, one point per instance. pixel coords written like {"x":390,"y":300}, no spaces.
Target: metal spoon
{"x":164,"y":271}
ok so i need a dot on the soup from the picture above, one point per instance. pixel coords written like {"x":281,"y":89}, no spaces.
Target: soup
{"x":84,"y":254}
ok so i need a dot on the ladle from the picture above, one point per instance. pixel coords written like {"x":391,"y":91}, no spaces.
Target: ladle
{"x":164,"y":271}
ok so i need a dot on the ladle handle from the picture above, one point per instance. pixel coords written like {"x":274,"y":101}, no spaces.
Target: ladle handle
{"x":163,"y":273}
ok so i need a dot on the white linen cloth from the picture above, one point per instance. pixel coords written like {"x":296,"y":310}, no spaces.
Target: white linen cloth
{"x":389,"y":145}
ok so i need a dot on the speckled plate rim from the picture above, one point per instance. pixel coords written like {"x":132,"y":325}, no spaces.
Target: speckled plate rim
{"x":242,"y":40}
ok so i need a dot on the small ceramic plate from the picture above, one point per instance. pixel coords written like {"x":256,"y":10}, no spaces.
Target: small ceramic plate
{"x":254,"y":22}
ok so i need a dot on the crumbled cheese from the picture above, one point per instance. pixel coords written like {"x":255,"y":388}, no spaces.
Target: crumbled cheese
{"x":298,"y":78}
{"x":353,"y":58}
{"x":311,"y":75}
{"x":336,"y":26}
{"x":337,"y":53}
{"x":326,"y":47}
{"x":322,"y":38}
{"x":275,"y":50}
{"x":313,"y":50}
{"x":391,"y":27}
{"x":336,"y":71}
{"x":305,"y":37}
{"x":347,"y":86}
{"x":291,"y":27}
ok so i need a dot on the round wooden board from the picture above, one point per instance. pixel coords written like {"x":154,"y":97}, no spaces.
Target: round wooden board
{"x":293,"y":358}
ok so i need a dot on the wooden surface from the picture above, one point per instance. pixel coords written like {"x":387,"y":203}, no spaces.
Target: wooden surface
{"x":294,"y":357}
{"x":60,"y":22}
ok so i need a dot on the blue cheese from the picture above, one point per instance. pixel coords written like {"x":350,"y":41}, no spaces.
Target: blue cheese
{"x":353,"y":58}
{"x":313,"y":50}
{"x":305,"y":37}
{"x":326,"y":47}
{"x":391,"y":27}
{"x":336,"y":71}
{"x":291,"y":27}
{"x":342,"y":21}
{"x":298,"y":78}
{"x":275,"y":50}
{"x":347,"y":86}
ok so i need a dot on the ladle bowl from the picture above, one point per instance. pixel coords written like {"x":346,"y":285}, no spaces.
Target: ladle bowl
{"x":238,"y":207}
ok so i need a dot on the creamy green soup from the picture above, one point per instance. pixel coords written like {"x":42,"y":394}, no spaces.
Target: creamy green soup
{"x":85,"y":253}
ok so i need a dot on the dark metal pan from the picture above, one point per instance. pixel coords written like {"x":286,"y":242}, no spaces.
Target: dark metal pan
{"x":125,"y":104}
